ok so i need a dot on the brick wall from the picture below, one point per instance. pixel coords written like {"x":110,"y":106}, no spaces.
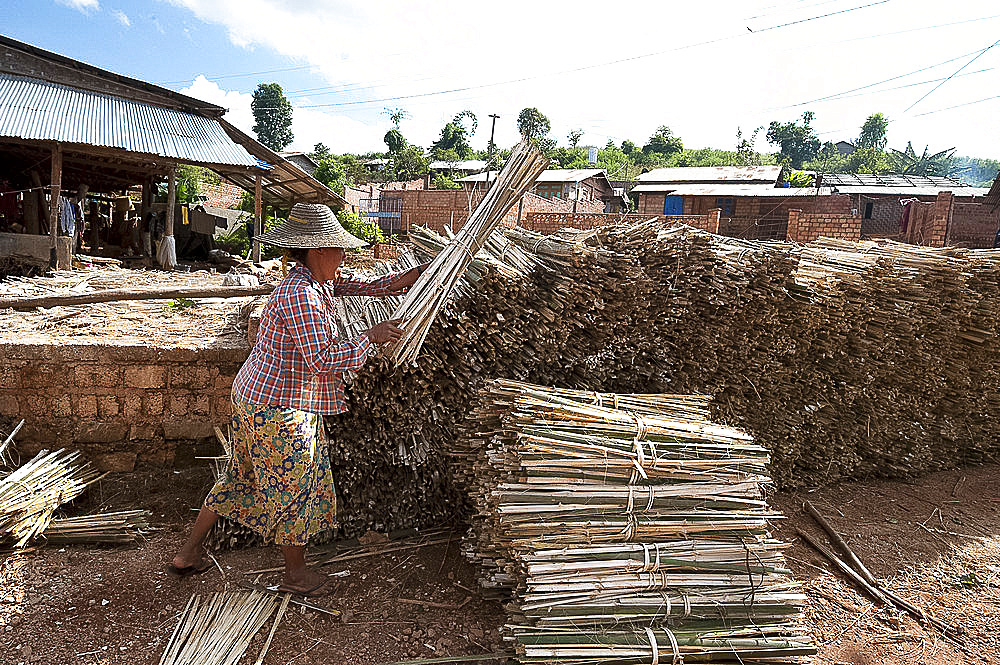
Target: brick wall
{"x":928,"y":222}
{"x":806,"y":227}
{"x":973,"y":225}
{"x":121,"y":406}
{"x":550,"y":222}
{"x":438,"y":208}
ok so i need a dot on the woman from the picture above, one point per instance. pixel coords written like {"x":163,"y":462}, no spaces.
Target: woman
{"x":279,"y":481}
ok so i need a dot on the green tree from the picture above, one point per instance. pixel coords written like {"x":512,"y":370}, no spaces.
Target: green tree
{"x":396,"y":116}
{"x":319,"y":151}
{"x":360,"y":227}
{"x":869,"y":160}
{"x":907,"y":161}
{"x":663,"y":143}
{"x":798,"y":143}
{"x":395,"y":140}
{"x":272,"y":114}
{"x":331,"y":172}
{"x":828,"y":160}
{"x":454,"y":139}
{"x":574,"y":137}
{"x":408,"y":164}
{"x":746,"y":154}
{"x":532,"y":124}
{"x":629,"y":148}
{"x":873,"y":132}
{"x":190,"y":180}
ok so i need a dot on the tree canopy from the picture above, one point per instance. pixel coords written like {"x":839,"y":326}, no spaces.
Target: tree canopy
{"x":272,"y":114}
{"x":873,"y":132}
{"x":798,"y":143}
{"x":533,"y":124}
{"x":454,"y":139}
{"x":663,"y":143}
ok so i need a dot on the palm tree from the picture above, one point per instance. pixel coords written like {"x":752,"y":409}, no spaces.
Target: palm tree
{"x":907,"y":162}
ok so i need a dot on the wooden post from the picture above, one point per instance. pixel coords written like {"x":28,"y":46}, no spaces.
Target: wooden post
{"x":258,"y":223}
{"x":56,"y":186}
{"x":171,"y":201}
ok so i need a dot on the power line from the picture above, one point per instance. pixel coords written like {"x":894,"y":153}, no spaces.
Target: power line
{"x":952,"y":76}
{"x":948,"y":108}
{"x":584,"y":68}
{"x":234,"y":76}
{"x":872,"y":85}
{"x":806,"y":20}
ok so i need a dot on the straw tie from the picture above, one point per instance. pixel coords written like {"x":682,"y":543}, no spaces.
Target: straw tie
{"x":654,"y":648}
{"x":648,"y":564}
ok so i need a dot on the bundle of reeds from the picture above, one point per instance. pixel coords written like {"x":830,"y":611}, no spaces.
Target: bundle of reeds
{"x":844,"y":360}
{"x":30,"y":494}
{"x":217,"y":630}
{"x":126,"y":526}
{"x":626,"y":528}
{"x":435,"y":286}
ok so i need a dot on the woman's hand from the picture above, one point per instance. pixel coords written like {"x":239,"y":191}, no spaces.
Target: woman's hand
{"x":387,"y":331}
{"x":408,"y":278}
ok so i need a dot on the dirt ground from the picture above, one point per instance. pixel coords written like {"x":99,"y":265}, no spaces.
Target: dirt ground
{"x":935,"y":541}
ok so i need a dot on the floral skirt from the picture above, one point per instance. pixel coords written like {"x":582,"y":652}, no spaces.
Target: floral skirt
{"x":279,"y":482}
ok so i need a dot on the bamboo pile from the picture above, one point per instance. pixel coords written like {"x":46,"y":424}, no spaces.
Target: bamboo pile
{"x":125,"y":526}
{"x":627,"y":528}
{"x":30,"y":494}
{"x":218,"y":630}
{"x":435,"y":286}
{"x":844,"y":360}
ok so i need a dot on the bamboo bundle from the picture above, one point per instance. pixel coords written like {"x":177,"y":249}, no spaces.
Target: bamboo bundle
{"x":843,"y":360}
{"x":218,"y":630}
{"x":628,"y":528}
{"x":30,"y":494}
{"x":120,"y":527}
{"x":434,"y":287}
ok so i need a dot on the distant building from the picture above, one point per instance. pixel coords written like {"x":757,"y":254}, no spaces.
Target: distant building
{"x":301,"y":160}
{"x":581,"y":185}
{"x":845,"y":148}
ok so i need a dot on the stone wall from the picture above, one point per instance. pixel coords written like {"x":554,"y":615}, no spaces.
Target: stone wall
{"x":122,"y":406}
{"x":37,"y":247}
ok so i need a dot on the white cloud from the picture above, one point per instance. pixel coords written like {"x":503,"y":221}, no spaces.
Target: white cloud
{"x":85,"y":6}
{"x":122,"y":18}
{"x":310,"y":126}
{"x":695,"y":69}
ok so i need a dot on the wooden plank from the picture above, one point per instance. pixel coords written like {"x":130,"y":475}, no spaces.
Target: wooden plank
{"x":171,"y":200}
{"x":56,"y":186}
{"x":111,"y":295}
{"x":258,"y":223}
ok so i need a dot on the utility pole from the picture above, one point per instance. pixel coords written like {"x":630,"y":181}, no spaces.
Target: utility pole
{"x":489,"y":148}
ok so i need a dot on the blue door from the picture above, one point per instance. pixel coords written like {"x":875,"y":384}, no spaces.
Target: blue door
{"x":673,"y":205}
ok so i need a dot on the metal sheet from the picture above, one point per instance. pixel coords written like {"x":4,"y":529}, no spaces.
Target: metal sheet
{"x":731,"y":189}
{"x":33,"y":109}
{"x":710,"y":174}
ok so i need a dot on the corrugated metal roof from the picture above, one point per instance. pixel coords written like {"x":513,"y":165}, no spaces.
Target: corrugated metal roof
{"x":548,"y":175}
{"x":458,"y":165}
{"x":33,"y":109}
{"x":897,"y":180}
{"x":730,"y":189}
{"x":709,"y":174}
{"x":889,"y":190}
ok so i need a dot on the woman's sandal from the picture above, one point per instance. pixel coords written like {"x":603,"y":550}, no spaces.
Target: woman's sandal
{"x":180,"y":572}
{"x":304,"y":593}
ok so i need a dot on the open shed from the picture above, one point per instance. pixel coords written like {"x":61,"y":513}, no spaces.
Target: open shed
{"x":68,"y":129}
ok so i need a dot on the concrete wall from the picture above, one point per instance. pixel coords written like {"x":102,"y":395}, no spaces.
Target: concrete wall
{"x":121,"y":406}
{"x":806,"y":227}
{"x":37,"y":247}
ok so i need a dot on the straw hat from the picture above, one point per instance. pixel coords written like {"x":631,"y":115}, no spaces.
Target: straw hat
{"x":311,"y":225}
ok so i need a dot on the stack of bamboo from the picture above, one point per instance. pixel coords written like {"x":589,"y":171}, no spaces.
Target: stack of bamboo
{"x":844,"y":360}
{"x":628,"y":527}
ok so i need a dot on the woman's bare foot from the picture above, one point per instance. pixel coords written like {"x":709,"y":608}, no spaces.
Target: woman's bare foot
{"x":304,"y":582}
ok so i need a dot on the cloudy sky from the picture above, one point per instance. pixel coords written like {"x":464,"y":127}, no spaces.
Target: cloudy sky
{"x":614,"y":70}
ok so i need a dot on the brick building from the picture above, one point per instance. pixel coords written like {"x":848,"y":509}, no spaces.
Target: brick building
{"x":752,"y":204}
{"x":880,"y":199}
{"x":590,"y":186}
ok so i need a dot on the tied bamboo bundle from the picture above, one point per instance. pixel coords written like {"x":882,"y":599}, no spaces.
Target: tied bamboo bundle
{"x":126,"y":526}
{"x":218,"y":630}
{"x":31,"y":494}
{"x":435,"y":286}
{"x":628,"y":528}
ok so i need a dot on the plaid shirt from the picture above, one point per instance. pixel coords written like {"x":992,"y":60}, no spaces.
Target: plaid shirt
{"x":297,"y":361}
